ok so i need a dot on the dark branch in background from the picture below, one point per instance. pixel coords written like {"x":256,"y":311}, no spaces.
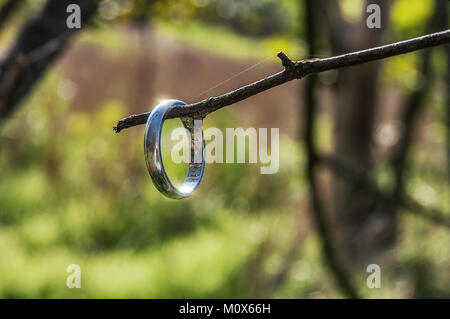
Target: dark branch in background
{"x":447,"y":97}
{"x":340,"y":38}
{"x":8,"y":9}
{"x":299,"y":70}
{"x":331,"y":253}
{"x":20,"y":63}
{"x":20,"y":71}
{"x":141,"y":90}
{"x":357,"y":177}
{"x":414,"y":104}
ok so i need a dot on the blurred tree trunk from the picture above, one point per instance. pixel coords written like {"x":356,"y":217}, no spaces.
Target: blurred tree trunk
{"x":8,"y":9}
{"x":447,"y":97}
{"x":361,"y":230}
{"x":142,"y":89}
{"x":39,"y":43}
{"x":415,"y":102}
{"x":317,"y":209}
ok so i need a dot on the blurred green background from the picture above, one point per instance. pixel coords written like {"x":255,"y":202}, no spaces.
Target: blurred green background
{"x":74,"y":192}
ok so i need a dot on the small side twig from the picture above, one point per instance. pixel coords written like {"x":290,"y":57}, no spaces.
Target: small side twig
{"x":285,"y":61}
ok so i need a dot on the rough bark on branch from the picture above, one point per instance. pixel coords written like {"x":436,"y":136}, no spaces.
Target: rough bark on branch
{"x":296,"y":70}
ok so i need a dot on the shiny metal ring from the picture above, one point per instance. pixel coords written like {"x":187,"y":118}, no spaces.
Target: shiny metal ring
{"x":152,"y":151}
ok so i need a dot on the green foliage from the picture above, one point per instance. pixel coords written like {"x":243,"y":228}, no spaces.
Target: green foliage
{"x":250,"y":17}
{"x":74,"y":192}
{"x":409,"y":17}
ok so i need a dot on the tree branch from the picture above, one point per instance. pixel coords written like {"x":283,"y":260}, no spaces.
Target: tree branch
{"x":415,"y":103}
{"x":318,"y":213}
{"x":357,"y":177}
{"x":445,"y":17}
{"x":332,"y":16}
{"x":8,"y":9}
{"x":27,"y":62}
{"x":21,"y":62}
{"x":296,"y":70}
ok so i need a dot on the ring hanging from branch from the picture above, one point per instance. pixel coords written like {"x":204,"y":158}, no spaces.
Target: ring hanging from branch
{"x":293,"y":70}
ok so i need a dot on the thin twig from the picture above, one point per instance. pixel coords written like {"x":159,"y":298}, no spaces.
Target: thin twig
{"x":299,"y":70}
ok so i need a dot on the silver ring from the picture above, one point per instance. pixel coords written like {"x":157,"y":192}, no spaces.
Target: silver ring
{"x":152,"y":151}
